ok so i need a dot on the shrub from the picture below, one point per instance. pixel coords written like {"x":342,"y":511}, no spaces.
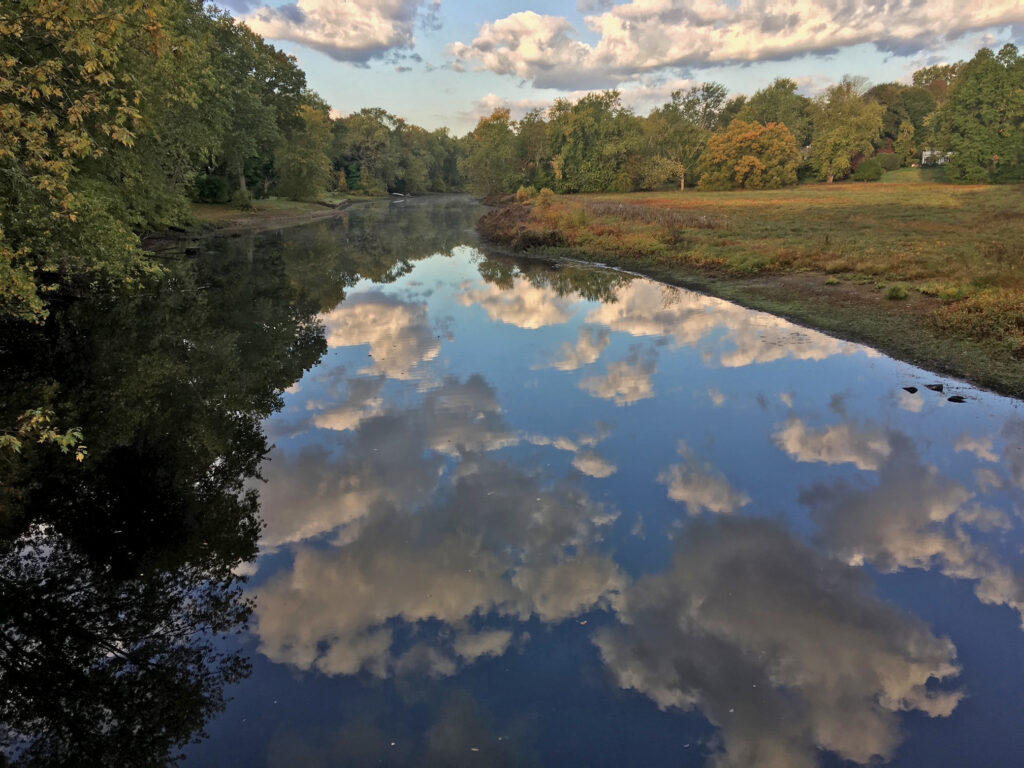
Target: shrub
{"x":524,"y":194}
{"x":212,"y":189}
{"x":992,"y":314}
{"x":545,"y":198}
{"x":242,"y":199}
{"x":896,"y":293}
{"x":888,"y":161}
{"x":869,"y":170}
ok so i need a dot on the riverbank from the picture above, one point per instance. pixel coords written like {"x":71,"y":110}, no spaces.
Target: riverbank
{"x":265,"y":214}
{"x":928,"y":273}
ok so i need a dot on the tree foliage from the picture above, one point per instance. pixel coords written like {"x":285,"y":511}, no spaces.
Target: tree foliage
{"x":685,"y":124}
{"x":780,"y":103}
{"x":937,"y":79}
{"x":68,"y":94}
{"x":375,"y":152}
{"x":982,"y":121}
{"x":303,"y":166}
{"x":750,"y":156}
{"x":903,"y":104}
{"x":489,"y":155}
{"x":906,"y":144}
{"x":592,"y":142}
{"x":845,"y":124}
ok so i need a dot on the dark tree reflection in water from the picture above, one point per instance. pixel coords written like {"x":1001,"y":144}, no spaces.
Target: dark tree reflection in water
{"x":119,"y":574}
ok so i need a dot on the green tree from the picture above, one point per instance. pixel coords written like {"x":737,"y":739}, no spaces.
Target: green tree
{"x":364,"y":146}
{"x":107,"y":112}
{"x":67,"y":94}
{"x":903,"y":104}
{"x":700,"y":105}
{"x":982,"y":121}
{"x":905,"y":147}
{"x":685,"y":124}
{"x":780,"y":103}
{"x":937,"y":79}
{"x":845,"y":124}
{"x":750,"y":156}
{"x":593,"y":140}
{"x":261,"y":91}
{"x":303,"y":167}
{"x":488,"y":163}
{"x":533,"y":151}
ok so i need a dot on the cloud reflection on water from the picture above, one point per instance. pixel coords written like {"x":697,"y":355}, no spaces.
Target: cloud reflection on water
{"x":784,"y":649}
{"x":421,"y":535}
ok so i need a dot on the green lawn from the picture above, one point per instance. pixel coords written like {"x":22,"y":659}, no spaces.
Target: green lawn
{"x":914,"y":176}
{"x":226,"y":214}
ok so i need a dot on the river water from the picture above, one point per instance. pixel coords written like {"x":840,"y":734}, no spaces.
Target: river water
{"x":511,"y":512}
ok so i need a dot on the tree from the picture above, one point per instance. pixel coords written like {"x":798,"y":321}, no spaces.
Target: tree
{"x":905,"y":147}
{"x":303,"y":167}
{"x":750,"y":156}
{"x":903,"y":104}
{"x":844,"y":125}
{"x":491,"y":148}
{"x":364,"y":146}
{"x":107,"y":112}
{"x":67,"y":94}
{"x":533,"y":151}
{"x":592,"y":140}
{"x":780,"y":103}
{"x":261,"y":89}
{"x":982,"y":121}
{"x":701,"y":105}
{"x":685,"y":125}
{"x":937,"y":79}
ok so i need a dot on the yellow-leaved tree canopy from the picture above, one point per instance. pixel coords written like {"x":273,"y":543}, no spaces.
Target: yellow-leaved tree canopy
{"x":109,"y":111}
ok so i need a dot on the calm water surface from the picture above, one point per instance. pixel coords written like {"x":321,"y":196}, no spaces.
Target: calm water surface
{"x":517,"y":513}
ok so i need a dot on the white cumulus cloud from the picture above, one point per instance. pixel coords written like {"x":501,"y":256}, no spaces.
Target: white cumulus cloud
{"x":644,"y":36}
{"x":346,"y":30}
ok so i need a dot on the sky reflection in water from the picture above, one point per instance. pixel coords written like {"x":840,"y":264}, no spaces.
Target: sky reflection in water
{"x":523,"y":515}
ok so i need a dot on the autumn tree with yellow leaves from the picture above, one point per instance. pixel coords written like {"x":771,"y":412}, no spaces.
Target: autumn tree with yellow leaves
{"x":750,"y":156}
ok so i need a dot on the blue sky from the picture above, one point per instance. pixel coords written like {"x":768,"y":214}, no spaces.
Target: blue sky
{"x":447,"y":62}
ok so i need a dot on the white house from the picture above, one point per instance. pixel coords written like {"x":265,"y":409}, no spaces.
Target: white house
{"x":934,"y":157}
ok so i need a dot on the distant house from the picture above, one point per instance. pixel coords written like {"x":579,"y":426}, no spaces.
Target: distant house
{"x":934,"y":157}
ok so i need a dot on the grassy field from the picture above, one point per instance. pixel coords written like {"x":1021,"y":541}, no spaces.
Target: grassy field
{"x":929,"y":272}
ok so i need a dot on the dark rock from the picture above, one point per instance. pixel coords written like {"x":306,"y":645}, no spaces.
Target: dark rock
{"x":933,"y":387}
{"x":957,"y":399}
{"x":911,"y":390}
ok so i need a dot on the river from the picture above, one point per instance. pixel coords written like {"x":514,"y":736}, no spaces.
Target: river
{"x":363,"y":493}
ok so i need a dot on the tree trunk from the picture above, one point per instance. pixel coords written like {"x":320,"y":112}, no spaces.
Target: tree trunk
{"x":241,"y":179}
{"x":830,"y":178}
{"x":682,"y":182}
